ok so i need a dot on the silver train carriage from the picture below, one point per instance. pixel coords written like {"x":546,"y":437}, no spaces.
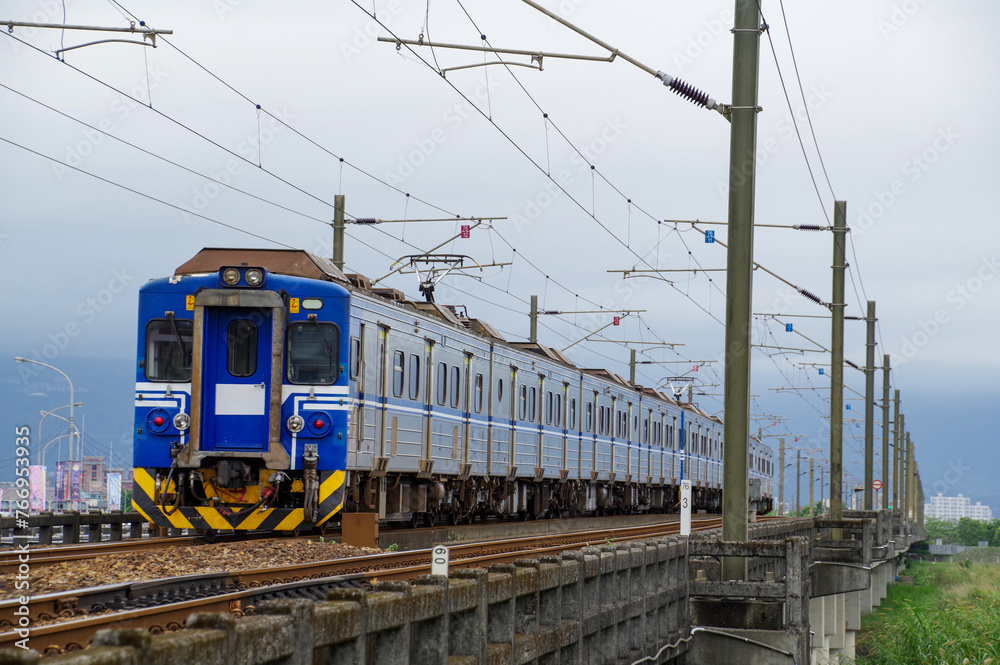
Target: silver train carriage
{"x":429,"y":414}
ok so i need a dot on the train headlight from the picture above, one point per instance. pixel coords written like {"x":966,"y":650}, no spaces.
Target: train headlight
{"x":254,"y":276}
{"x":295,"y":424}
{"x":231,"y":276}
{"x":182,"y":421}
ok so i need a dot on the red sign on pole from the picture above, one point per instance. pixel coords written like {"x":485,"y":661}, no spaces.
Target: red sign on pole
{"x":877,"y":484}
{"x":466,"y":231}
{"x":618,"y":320}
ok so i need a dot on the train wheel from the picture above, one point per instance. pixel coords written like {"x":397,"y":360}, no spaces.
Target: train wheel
{"x":414,"y":520}
{"x":452,"y":518}
{"x":428,"y":520}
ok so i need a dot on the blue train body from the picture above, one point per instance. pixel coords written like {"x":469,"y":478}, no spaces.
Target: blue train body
{"x":273,"y":391}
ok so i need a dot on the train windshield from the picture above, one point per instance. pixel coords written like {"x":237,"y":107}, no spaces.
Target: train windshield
{"x":313,"y":353}
{"x":168,"y":350}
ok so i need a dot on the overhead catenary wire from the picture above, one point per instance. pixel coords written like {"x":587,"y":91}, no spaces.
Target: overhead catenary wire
{"x":147,"y":196}
{"x":264,"y":110}
{"x":601,"y":175}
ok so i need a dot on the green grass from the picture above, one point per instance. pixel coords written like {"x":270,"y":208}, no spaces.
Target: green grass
{"x":947,"y":614}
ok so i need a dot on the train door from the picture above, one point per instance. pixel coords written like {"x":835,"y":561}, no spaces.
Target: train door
{"x":357,"y":421}
{"x":517,"y":398}
{"x":544,"y":408}
{"x":562,"y":416}
{"x":428,"y":399}
{"x":466,"y":406}
{"x":383,"y":368}
{"x":237,"y":379}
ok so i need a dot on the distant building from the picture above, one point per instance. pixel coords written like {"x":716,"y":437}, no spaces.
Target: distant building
{"x":954,"y":508}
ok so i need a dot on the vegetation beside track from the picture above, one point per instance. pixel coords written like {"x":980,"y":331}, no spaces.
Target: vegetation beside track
{"x":937,"y":613}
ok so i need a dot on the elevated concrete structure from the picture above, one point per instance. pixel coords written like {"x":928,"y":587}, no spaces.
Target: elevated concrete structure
{"x":660,"y":600}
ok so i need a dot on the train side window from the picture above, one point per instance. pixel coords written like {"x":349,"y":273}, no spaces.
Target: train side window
{"x":499,"y":390}
{"x":355,"y":357}
{"x":522,"y":404}
{"x":558,"y":410}
{"x":600,"y":420}
{"x":442,"y":383}
{"x":313,"y":353}
{"x":572,"y":413}
{"x":531,"y":403}
{"x":241,"y":348}
{"x":168,"y":350}
{"x":414,"y":376}
{"x":548,"y":407}
{"x":479,"y":393}
{"x":397,"y":373}
{"x":590,"y":417}
{"x":645,"y":431}
{"x":456,"y":385}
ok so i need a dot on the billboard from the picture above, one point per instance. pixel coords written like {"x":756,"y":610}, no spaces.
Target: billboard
{"x":61,"y":478}
{"x":36,"y":500}
{"x":76,"y":481}
{"x":114,"y":486}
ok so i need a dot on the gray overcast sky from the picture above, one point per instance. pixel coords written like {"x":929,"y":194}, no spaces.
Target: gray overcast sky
{"x":899,"y":94}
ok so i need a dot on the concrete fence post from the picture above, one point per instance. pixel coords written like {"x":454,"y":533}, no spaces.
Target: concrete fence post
{"x":300,"y":613}
{"x":501,"y":599}
{"x":467,"y":588}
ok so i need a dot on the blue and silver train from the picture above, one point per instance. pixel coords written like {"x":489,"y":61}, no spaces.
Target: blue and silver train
{"x":273,"y":392}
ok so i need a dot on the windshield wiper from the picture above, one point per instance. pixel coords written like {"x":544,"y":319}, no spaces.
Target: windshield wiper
{"x":326,"y":344}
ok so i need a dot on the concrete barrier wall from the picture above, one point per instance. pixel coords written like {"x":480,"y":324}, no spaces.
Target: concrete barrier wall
{"x":598,"y":605}
{"x":72,"y":524}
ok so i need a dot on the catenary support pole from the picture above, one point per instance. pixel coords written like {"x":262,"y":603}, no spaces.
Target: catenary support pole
{"x":911,"y":480}
{"x":903,"y":488}
{"x":798,"y":482}
{"x":870,"y":405}
{"x":739,"y":280}
{"x":781,"y":476}
{"x":896,"y":486}
{"x":631,"y":367}
{"x":822,"y":476}
{"x":812,"y":483}
{"x":338,"y":231}
{"x":885,"y":432}
{"x":533,"y":335}
{"x":837,"y":366}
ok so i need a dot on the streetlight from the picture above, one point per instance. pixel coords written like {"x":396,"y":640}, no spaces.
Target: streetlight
{"x":45,"y":471}
{"x":44,"y":415}
{"x":71,"y":400}
{"x":58,"y":438}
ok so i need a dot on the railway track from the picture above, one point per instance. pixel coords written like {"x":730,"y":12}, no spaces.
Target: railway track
{"x":66,"y":621}
{"x":47,"y":556}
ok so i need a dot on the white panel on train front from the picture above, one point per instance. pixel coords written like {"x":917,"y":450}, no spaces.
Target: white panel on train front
{"x":240,"y":399}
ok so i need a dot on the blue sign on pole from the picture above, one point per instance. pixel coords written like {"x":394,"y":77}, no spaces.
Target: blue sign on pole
{"x":821,"y":371}
{"x":848,"y":407}
{"x":788,"y":327}
{"x":709,"y":237}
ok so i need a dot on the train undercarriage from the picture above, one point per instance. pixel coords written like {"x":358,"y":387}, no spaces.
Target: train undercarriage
{"x":455,"y":500}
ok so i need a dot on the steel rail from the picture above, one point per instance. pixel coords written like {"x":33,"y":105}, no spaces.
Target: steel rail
{"x":76,"y":633}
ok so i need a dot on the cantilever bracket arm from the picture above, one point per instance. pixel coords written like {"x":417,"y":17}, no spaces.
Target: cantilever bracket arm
{"x":59,"y":52}
{"x":141,"y":29}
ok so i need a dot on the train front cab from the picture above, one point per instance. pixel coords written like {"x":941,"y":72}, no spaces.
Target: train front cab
{"x":241,"y":401}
